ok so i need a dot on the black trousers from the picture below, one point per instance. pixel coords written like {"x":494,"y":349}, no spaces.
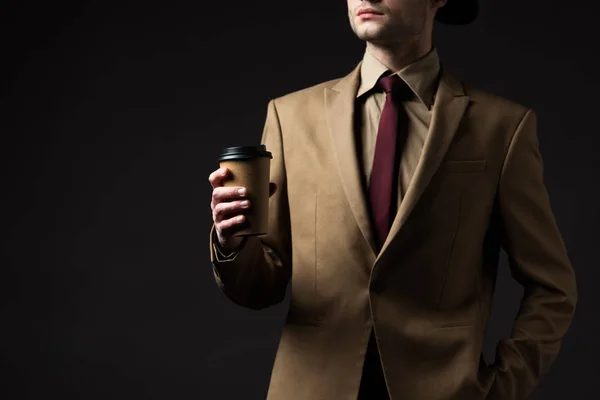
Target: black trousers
{"x":372,"y":383}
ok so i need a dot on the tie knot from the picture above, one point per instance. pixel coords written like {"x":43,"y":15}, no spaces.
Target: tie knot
{"x":391,"y":83}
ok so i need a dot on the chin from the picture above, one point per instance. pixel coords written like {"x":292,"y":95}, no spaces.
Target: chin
{"x":370,"y":33}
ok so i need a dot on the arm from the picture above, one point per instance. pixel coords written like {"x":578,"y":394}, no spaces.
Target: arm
{"x":538,"y":260}
{"x":257,"y":274}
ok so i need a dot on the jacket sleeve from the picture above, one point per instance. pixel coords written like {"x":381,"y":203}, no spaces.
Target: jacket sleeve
{"x":538,"y":260}
{"x":257,"y":275}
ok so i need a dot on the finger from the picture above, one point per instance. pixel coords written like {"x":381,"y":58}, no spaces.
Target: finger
{"x":216,"y":177}
{"x":225,"y":209}
{"x":227,"y":224}
{"x":222,"y":193}
{"x":272,"y":188}
{"x":226,"y":194}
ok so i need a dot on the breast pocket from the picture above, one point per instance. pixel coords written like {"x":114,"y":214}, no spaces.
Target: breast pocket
{"x":463,"y":166}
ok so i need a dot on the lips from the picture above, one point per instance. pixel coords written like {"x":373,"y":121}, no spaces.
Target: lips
{"x":368,"y":11}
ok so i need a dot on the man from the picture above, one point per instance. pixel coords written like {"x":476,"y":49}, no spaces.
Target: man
{"x":394,"y":189}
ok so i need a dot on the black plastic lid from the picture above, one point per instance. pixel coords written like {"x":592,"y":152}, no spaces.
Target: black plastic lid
{"x":244,"y":153}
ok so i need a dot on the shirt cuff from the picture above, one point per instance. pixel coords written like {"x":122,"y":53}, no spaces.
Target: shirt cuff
{"x":221,"y":255}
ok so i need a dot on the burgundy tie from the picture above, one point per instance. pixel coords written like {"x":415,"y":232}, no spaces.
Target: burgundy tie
{"x":383,"y":185}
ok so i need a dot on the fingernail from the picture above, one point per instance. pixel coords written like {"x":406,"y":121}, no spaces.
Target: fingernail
{"x":245,"y":203}
{"x":240,"y":218}
{"x":242,"y":192}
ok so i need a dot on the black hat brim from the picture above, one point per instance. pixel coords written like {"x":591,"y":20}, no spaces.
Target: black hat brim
{"x":458,"y":12}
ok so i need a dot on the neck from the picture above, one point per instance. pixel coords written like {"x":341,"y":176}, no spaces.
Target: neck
{"x":400,"y":54}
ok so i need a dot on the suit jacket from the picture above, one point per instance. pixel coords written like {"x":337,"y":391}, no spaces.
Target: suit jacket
{"x":477,"y":188}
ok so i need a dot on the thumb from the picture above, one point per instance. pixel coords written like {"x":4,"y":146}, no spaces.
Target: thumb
{"x":272,"y":188}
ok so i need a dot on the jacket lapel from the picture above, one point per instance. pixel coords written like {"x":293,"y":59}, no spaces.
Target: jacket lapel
{"x":448,"y":110}
{"x":340,"y":107}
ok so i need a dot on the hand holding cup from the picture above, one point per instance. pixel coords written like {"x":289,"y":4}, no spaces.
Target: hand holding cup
{"x":241,"y":190}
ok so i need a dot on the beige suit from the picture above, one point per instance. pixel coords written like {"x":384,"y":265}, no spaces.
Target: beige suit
{"x":477,"y":186}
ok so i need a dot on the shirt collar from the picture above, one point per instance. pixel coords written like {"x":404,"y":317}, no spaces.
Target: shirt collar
{"x":421,"y":76}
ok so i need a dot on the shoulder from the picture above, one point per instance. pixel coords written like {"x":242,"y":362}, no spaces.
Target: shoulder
{"x":489,"y":114}
{"x":493,"y":106}
{"x":306,"y":97}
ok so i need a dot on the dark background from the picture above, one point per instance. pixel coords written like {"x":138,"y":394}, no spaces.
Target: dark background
{"x":112,"y":116}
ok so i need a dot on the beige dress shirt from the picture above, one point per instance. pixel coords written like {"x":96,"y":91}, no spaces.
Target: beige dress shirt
{"x":422,"y":78}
